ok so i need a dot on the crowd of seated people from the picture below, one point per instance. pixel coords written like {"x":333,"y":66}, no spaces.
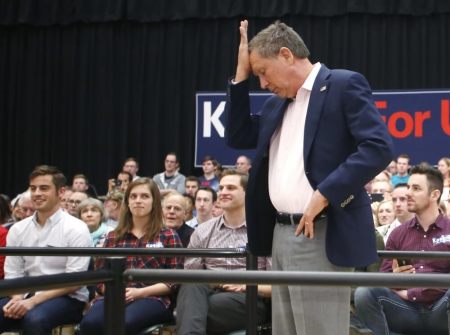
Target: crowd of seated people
{"x":110,"y":221}
{"x":133,"y":213}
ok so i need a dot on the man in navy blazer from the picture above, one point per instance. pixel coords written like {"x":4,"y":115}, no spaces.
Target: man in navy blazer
{"x":343,"y":144}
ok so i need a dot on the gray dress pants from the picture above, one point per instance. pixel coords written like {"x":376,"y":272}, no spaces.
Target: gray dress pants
{"x":307,"y":310}
{"x":202,"y":310}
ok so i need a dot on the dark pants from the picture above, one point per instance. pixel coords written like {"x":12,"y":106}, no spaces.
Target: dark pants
{"x":202,"y":310}
{"x":139,"y":314}
{"x":44,"y":317}
{"x":384,"y":312}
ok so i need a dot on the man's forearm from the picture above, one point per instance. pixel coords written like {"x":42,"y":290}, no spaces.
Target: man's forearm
{"x":47,"y":295}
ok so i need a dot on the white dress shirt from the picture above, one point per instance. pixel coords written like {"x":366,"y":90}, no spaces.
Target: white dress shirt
{"x":60,"y":230}
{"x":289,"y":189}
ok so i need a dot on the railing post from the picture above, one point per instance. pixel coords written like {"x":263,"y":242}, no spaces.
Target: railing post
{"x":114,"y":314}
{"x":251,"y":295}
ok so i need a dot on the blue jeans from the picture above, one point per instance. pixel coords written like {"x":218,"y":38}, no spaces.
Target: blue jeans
{"x":384,"y":312}
{"x":44,"y":317}
{"x":139,"y":314}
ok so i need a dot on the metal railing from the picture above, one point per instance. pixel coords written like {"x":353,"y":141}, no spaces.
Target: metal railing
{"x":115,"y":276}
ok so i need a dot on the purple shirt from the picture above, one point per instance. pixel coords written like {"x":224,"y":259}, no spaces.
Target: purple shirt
{"x":410,"y":236}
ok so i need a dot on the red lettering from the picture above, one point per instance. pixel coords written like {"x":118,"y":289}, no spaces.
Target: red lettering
{"x":381,"y":104}
{"x":445,"y":116}
{"x":406,"y":118}
{"x":419,"y":118}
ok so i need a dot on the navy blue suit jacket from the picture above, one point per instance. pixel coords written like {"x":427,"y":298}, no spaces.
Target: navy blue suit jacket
{"x":346,"y":144}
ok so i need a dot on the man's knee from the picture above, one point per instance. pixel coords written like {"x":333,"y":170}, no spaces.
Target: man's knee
{"x":36,"y":319}
{"x":364,"y":295}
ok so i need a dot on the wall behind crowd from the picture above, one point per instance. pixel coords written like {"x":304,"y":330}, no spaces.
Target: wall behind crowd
{"x":85,"y":84}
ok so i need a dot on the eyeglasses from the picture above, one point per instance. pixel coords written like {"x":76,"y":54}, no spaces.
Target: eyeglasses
{"x":74,"y":202}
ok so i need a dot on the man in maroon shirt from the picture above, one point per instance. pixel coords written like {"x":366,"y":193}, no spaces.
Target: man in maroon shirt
{"x":413,"y":310}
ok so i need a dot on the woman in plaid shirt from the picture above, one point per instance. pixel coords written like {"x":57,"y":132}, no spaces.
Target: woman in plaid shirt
{"x":140,"y":226}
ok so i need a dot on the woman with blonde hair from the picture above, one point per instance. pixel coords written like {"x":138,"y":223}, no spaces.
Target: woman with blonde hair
{"x":140,"y":226}
{"x":385,"y":216}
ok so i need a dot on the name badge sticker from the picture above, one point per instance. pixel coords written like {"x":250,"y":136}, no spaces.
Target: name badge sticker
{"x":154,"y":245}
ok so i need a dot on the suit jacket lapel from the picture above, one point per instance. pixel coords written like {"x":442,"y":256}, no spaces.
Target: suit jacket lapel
{"x":315,"y":107}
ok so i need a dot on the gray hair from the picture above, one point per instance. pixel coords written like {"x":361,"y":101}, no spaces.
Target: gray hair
{"x":270,"y":40}
{"x":91,"y":202}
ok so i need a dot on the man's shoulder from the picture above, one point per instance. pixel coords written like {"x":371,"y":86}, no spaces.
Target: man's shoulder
{"x":73,"y":225}
{"x":179,"y":175}
{"x":158,"y":175}
{"x":206,"y":229}
{"x":21,"y":225}
{"x":400,"y":233}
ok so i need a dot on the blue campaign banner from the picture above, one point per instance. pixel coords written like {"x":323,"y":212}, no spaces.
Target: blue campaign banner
{"x":418,"y":121}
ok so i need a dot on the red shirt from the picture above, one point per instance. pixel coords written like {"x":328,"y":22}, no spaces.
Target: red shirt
{"x":3,"y":233}
{"x":410,"y":236}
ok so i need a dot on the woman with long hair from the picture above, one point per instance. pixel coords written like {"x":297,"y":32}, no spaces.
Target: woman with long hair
{"x":140,"y":226}
{"x":444,"y":168}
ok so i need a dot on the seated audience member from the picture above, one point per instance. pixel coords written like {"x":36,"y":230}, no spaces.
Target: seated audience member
{"x":412,"y":310}
{"x":26,"y":204}
{"x":205,"y":197}
{"x":91,"y":212}
{"x":113,"y":205}
{"x":383,"y":176}
{"x":243,"y":164}
{"x":382,"y":187}
{"x":202,"y":308}
{"x":22,"y":208}
{"x":75,"y":199}
{"x":444,"y":168}
{"x":80,"y":183}
{"x":385,"y":213}
{"x":170,"y":178}
{"x":37,"y":313}
{"x":402,"y":176}
{"x":217,"y":210}
{"x":209,"y":177}
{"x":399,"y":199}
{"x":191,"y":185}
{"x":131,"y":165}
{"x":218,"y":168}
{"x":5,"y":212}
{"x":121,"y":183}
{"x":190,"y":206}
{"x":392,"y":167}
{"x":174,"y":212}
{"x":140,"y":226}
{"x":65,"y":198}
{"x":3,"y":233}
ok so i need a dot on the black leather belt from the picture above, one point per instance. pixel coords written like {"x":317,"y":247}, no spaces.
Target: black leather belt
{"x":290,"y":219}
{"x":294,"y":219}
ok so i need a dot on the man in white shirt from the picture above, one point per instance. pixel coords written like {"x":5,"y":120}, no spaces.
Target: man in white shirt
{"x":37,"y":313}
